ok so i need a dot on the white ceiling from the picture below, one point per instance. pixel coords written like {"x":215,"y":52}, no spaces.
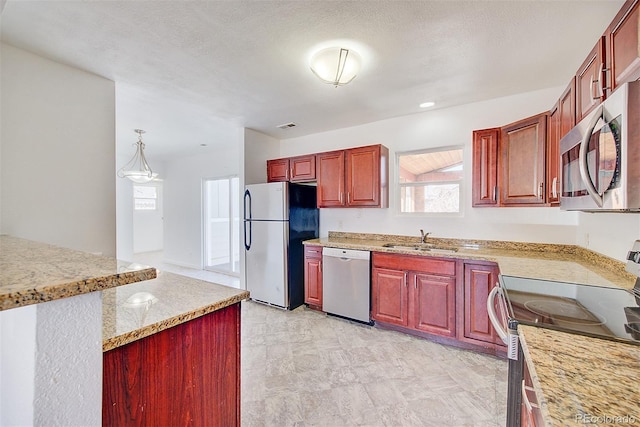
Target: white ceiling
{"x":191,"y":72}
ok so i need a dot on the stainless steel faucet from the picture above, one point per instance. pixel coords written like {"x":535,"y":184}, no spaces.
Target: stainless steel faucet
{"x":423,"y":236}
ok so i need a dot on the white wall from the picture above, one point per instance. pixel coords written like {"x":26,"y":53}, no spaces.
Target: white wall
{"x":452,"y":126}
{"x":611,"y":234}
{"x":58,"y":153}
{"x":183,"y":200}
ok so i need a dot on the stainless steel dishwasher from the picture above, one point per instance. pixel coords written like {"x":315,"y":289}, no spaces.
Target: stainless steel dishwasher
{"x":346,"y":285}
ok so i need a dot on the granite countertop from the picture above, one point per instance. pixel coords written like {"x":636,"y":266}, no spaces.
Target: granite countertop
{"x":33,"y":272}
{"x":581,"y":380}
{"x":141,"y":309}
{"x":554,"y":262}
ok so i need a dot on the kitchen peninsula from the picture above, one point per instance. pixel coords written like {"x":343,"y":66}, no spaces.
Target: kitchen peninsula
{"x":63,"y":313}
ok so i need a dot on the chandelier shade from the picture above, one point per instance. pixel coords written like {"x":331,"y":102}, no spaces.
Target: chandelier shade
{"x":335,"y":65}
{"x":138,"y":169}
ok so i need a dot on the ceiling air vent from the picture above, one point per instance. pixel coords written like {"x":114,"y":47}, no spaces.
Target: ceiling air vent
{"x":286,"y":125}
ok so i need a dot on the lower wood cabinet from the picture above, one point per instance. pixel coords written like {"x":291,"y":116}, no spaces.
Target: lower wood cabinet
{"x":313,"y":276}
{"x":187,"y":375}
{"x":479,"y":279}
{"x":415,"y":292}
{"x":444,"y":297}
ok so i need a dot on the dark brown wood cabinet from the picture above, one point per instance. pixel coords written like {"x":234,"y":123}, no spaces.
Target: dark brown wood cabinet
{"x":313,"y":276}
{"x":590,"y":81}
{"x":293,"y":169}
{"x":562,"y":118}
{"x":187,"y":375}
{"x":485,"y":167}
{"x":357,"y":177}
{"x":479,"y":279}
{"x":522,"y":162}
{"x":623,"y":38}
{"x":415,"y":292}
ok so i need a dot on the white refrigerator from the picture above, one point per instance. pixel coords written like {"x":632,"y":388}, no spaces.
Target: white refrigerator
{"x":278,"y":217}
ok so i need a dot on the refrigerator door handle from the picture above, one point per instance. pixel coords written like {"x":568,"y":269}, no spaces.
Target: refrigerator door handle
{"x":247,"y":197}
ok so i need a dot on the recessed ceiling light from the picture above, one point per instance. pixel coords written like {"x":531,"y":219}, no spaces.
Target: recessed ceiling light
{"x":203,"y":145}
{"x":427,"y":104}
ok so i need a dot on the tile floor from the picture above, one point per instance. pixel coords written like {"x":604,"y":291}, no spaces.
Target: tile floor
{"x":304,"y":368}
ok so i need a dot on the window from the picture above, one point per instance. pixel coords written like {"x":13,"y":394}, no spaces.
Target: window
{"x":430,"y":181}
{"x":145,"y":198}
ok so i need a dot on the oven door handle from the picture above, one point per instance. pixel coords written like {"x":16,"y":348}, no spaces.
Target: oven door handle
{"x":584,"y":151}
{"x":491,"y":310}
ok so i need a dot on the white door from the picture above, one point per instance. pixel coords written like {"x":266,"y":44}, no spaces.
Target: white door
{"x":221,"y":225}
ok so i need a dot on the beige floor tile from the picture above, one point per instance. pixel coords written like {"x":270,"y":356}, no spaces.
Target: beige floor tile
{"x":304,"y":368}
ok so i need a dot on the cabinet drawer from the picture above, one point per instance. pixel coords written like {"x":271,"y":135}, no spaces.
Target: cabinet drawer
{"x":415,"y":263}
{"x":312,"y":251}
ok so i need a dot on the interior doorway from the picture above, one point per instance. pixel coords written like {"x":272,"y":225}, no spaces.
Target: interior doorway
{"x":222,"y":225}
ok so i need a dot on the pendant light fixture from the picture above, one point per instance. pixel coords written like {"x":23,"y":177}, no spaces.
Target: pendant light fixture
{"x":336,"y":65}
{"x":138,"y":170}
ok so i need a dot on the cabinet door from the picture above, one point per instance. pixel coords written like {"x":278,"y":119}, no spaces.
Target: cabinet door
{"x":277,"y":170}
{"x":330,"y":172}
{"x":624,"y":45}
{"x":363,"y":176}
{"x":479,"y":279}
{"x":313,"y":276}
{"x":390,"y":296}
{"x":303,"y":168}
{"x":434,"y":306}
{"x":553,"y":153}
{"x":589,"y":81}
{"x":485,"y":167}
{"x":522,"y":156}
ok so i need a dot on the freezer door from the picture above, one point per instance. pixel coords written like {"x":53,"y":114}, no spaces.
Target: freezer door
{"x":267,"y":201}
{"x":266,"y":262}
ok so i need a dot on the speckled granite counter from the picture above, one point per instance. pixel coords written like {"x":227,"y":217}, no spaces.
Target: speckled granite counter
{"x":141,"y":309}
{"x":564,"y":263}
{"x":580,"y":380}
{"x":33,"y":272}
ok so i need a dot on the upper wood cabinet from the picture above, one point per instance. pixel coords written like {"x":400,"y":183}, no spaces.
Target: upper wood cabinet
{"x":590,"y":81}
{"x":562,"y":119}
{"x":330,"y":172}
{"x":277,"y":170}
{"x":485,"y":167}
{"x":624,"y":45}
{"x":294,"y":169}
{"x":357,"y":177}
{"x":522,"y":157}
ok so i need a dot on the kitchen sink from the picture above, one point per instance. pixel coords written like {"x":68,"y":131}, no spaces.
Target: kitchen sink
{"x":420,"y":247}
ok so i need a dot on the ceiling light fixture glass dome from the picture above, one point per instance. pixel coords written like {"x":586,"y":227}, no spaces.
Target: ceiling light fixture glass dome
{"x":336,"y":65}
{"x":138,"y":169}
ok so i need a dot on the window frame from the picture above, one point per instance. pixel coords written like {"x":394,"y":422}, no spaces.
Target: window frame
{"x":155,"y":198}
{"x":397,"y":185}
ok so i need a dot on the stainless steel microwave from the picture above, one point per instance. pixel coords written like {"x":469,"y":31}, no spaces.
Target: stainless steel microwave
{"x":600,"y":156}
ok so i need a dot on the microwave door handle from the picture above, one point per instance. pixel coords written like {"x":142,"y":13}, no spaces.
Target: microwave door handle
{"x":491,"y":310}
{"x":584,"y":150}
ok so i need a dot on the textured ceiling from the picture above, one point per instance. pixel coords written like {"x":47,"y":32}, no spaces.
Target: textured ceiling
{"x":191,"y":72}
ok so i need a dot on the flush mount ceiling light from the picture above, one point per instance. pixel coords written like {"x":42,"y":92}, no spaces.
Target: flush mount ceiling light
{"x":336,"y":65}
{"x":427,"y":104}
{"x":138,"y":170}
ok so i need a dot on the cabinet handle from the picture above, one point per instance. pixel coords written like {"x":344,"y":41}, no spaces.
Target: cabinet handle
{"x":291,"y":172}
{"x":405,"y":279}
{"x":495,"y":193}
{"x":540,"y":192}
{"x":340,"y":198}
{"x":348,"y":197}
{"x":415,"y":282}
{"x":286,"y":174}
{"x":554,"y":185}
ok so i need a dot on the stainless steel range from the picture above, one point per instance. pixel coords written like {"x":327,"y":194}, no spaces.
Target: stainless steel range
{"x":596,"y":311}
